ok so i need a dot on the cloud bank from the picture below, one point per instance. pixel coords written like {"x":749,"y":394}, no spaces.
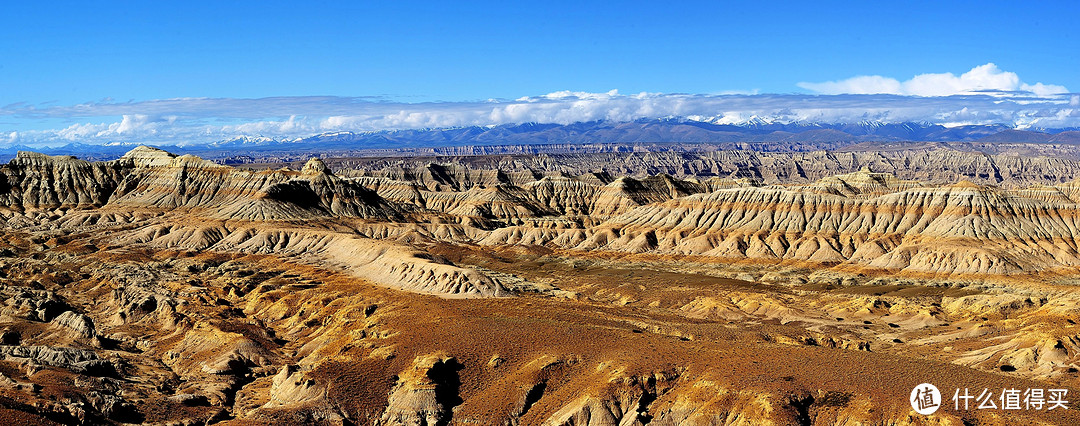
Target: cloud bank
{"x":981,"y":79}
{"x":984,"y":95}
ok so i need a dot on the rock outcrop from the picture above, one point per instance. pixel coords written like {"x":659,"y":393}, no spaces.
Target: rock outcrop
{"x":34,"y":181}
{"x":932,"y":163}
{"x":425,"y":394}
{"x":961,"y":229}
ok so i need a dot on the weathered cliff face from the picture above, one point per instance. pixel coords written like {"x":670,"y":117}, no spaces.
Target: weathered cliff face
{"x":40,"y":181}
{"x":865,"y":219}
{"x":959,"y":229}
{"x":931,"y":163}
{"x":228,"y":193}
{"x":861,"y":184}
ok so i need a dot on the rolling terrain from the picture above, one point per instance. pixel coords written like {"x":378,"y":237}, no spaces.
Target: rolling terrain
{"x":659,"y":288}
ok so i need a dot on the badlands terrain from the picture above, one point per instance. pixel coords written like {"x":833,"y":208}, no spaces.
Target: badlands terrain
{"x":729,"y":287}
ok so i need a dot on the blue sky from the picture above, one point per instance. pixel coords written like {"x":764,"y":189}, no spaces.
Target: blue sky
{"x":252,"y":68}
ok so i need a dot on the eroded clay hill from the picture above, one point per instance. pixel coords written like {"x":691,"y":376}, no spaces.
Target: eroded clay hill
{"x":1009,"y":165}
{"x":167,"y":289}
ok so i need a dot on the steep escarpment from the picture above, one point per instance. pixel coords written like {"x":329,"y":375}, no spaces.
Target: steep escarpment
{"x":454,"y":177}
{"x":934,"y":163}
{"x":861,"y":184}
{"x":546,"y":197}
{"x":865,"y":219}
{"x":34,"y":180}
{"x":956,"y":229}
{"x":228,"y":193}
{"x":625,"y":193}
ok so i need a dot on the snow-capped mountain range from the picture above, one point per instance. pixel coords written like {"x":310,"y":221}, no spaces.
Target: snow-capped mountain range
{"x":805,"y":135}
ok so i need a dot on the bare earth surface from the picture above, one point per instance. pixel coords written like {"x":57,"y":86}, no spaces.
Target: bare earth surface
{"x":170,"y":290}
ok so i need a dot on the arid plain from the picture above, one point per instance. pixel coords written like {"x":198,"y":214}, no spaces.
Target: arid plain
{"x":614,"y":289}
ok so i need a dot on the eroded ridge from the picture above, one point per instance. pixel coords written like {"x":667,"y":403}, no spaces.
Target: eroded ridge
{"x":167,"y":289}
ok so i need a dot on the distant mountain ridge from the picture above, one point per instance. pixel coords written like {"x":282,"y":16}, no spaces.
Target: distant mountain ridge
{"x":772,"y":136}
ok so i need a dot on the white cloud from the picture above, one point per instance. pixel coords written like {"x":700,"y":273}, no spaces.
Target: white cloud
{"x":981,"y":79}
{"x":1040,"y":89}
{"x":566,"y":94}
{"x":292,"y":125}
{"x":129,"y":126}
{"x":864,"y":84}
{"x":203,"y":120}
